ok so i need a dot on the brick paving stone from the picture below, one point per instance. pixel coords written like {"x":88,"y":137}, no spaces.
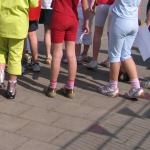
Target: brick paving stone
{"x":37,"y":145}
{"x":41,"y":102}
{"x":113,"y":145}
{"x":11,"y":123}
{"x":73,"y":123}
{"x":96,"y":114}
{"x":118,"y":119}
{"x":73,"y":109}
{"x":145,"y":143}
{"x":144,"y":123}
{"x":10,"y":141}
{"x":139,"y":140}
{"x":64,"y":138}
{"x":84,"y":142}
{"x":40,"y":132}
{"x":101,"y":102}
{"x":12,"y":108}
{"x":41,"y":115}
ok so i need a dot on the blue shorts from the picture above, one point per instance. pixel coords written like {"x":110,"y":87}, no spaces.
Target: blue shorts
{"x":122,"y":33}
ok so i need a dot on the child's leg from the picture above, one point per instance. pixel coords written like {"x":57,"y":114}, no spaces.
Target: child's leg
{"x":33,"y":26}
{"x":71,"y":56}
{"x":47,"y":18}
{"x":78,"y":39}
{"x":34,"y":45}
{"x":97,"y":41}
{"x":3,"y":57}
{"x":87,"y":41}
{"x":85,"y":50}
{"x":14,"y":65}
{"x":47,"y":42}
{"x":55,"y":65}
{"x":78,"y":49}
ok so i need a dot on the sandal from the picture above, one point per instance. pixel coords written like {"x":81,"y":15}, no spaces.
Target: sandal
{"x":105,"y":64}
{"x":48,"y":61}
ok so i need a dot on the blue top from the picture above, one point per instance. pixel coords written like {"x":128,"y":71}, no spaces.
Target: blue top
{"x":126,"y":8}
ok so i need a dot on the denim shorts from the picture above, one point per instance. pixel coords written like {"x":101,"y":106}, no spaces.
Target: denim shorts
{"x":122,"y":33}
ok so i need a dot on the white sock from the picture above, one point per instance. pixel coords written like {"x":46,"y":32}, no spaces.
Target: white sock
{"x":2,"y":76}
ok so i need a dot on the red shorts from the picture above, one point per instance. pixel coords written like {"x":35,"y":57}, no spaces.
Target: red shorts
{"x":63,"y":28}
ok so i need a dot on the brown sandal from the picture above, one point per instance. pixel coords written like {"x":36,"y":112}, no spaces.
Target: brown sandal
{"x":48,"y":61}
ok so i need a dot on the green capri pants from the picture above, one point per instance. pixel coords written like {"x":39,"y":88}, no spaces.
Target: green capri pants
{"x":11,"y":54}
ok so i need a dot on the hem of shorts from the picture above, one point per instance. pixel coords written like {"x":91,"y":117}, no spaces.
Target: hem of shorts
{"x":124,"y":59}
{"x":13,"y":37}
{"x":14,"y":72}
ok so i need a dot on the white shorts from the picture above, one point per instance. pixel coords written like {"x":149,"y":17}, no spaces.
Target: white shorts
{"x":110,"y":16}
{"x":87,"y":38}
{"x":101,"y":14}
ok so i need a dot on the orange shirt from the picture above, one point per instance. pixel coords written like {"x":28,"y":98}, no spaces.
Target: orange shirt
{"x":34,"y":13}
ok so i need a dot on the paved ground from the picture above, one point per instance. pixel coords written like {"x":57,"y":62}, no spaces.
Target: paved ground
{"x":89,"y":122}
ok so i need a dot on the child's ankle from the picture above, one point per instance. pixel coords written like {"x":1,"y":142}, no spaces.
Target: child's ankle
{"x":70,"y":84}
{"x":53,"y":84}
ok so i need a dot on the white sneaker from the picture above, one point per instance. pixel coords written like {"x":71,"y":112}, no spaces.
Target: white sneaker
{"x":135,"y":93}
{"x":36,"y":67}
{"x":107,"y":90}
{"x":92,"y":65}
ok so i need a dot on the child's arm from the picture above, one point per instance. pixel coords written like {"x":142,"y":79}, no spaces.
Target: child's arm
{"x":93,"y":5}
{"x":33,"y":3}
{"x":86,"y":14}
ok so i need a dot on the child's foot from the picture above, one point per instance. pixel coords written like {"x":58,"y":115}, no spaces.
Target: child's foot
{"x":50,"y":92}
{"x":36,"y":67}
{"x":92,"y":65}
{"x":108,"y":91}
{"x":48,"y":60}
{"x":68,"y":92}
{"x":11,"y":90}
{"x":135,"y":93}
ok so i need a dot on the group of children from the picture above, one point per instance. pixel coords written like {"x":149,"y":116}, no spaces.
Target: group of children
{"x":69,"y":21}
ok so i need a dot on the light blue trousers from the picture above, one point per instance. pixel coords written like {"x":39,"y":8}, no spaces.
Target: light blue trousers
{"x":122,"y":33}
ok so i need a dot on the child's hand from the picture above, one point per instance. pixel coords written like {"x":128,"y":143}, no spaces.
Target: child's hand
{"x":86,"y":28}
{"x":92,"y":6}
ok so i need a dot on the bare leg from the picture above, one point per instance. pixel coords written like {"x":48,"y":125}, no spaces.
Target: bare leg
{"x":47,"y":40}
{"x":78,"y":49}
{"x":97,"y":41}
{"x":130,"y":68}
{"x":114,"y":71}
{"x":57,"y":56}
{"x":12,"y":77}
{"x":71,"y":56}
{"x":85,"y":51}
{"x":34,"y":45}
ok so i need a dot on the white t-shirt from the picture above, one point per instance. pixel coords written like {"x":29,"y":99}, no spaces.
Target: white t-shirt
{"x":46,"y":4}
